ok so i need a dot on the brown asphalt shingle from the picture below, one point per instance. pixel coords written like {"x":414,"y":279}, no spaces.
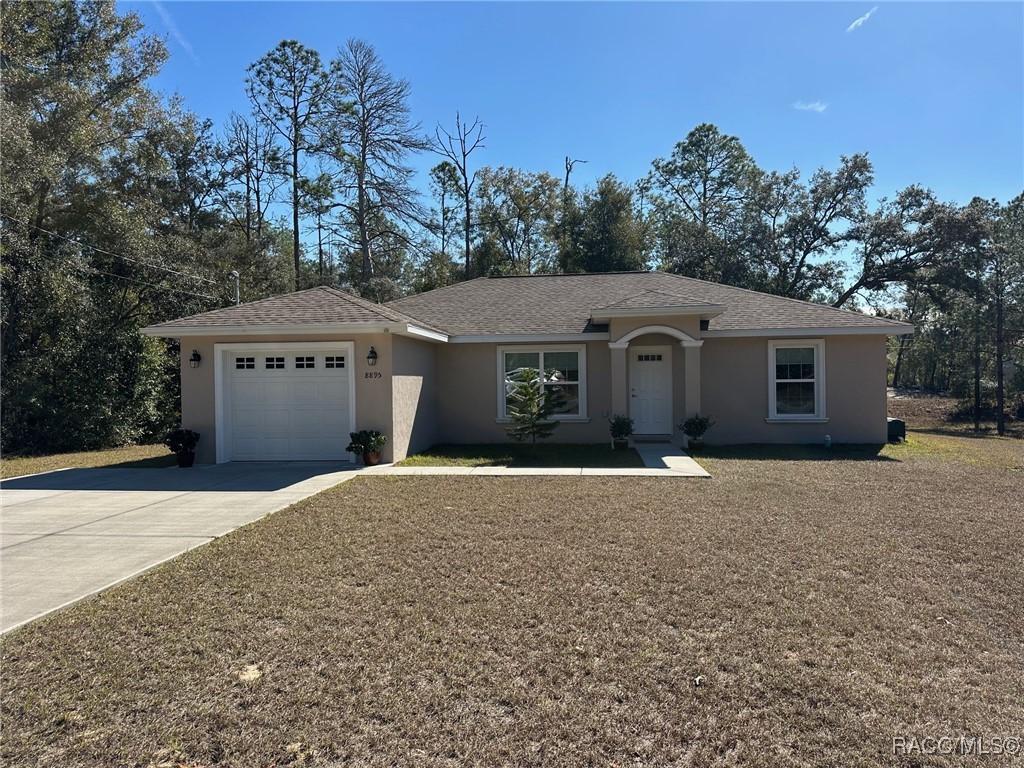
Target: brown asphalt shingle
{"x":323,"y":305}
{"x":563,"y":304}
{"x":545,"y":304}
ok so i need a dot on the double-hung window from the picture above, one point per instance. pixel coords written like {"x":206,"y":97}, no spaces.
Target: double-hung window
{"x":559,"y":368}
{"x":796,"y":380}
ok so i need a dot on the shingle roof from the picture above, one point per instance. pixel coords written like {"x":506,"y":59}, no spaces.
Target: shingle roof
{"x":552,"y":304}
{"x":650,"y":299}
{"x":323,"y":305}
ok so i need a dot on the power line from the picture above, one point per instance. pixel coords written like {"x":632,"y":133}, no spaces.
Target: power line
{"x":90,"y":271}
{"x":110,"y":253}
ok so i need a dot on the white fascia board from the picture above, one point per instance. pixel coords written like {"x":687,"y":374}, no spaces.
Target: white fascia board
{"x":298,"y":329}
{"x":705,"y":311}
{"x":426,"y":333}
{"x":864,"y":330}
{"x":528,"y":338}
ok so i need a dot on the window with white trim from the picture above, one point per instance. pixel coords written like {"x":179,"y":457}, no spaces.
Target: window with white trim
{"x":334,"y":361}
{"x":305,"y":362}
{"x":796,"y":379}
{"x":564,"y":369}
{"x":245,"y":363}
{"x":275,"y":363}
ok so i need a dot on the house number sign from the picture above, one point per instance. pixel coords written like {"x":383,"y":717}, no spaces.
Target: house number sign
{"x":372,"y":375}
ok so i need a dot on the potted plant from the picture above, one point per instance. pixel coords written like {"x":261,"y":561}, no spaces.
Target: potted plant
{"x":367,"y":443}
{"x":182,"y":443}
{"x":621,"y":427}
{"x":694,"y":429}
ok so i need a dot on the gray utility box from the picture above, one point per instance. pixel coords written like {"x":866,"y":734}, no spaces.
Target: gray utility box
{"x":897,"y":430}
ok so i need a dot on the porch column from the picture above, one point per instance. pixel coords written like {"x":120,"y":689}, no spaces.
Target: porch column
{"x":620,"y":395}
{"x":691,"y":392}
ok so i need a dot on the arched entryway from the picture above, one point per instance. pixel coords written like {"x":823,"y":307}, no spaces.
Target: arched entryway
{"x":644,"y":386}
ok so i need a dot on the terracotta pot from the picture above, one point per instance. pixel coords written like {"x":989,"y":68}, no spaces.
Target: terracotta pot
{"x":371,"y":458}
{"x":186,"y":458}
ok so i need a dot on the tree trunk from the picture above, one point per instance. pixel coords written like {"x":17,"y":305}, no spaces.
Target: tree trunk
{"x":903,"y":344}
{"x":295,"y":195}
{"x":1000,"y":351}
{"x":465,"y":200}
{"x":977,"y":368}
{"x":444,"y":223}
{"x":366,"y":272}
{"x":320,"y":244}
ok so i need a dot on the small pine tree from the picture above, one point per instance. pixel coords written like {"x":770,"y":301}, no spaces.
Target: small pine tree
{"x":531,"y":406}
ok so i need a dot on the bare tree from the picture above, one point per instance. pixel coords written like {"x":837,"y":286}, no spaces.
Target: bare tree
{"x":457,"y":147}
{"x":570,"y":164}
{"x":371,"y":138}
{"x":252,"y":171}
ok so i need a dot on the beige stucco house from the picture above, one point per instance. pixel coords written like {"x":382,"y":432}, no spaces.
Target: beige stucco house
{"x":290,"y":376}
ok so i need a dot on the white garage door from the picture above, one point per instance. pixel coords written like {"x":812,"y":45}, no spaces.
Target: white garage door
{"x":287,"y":403}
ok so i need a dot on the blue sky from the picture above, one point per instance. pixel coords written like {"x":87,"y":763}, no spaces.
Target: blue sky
{"x":933,"y":91}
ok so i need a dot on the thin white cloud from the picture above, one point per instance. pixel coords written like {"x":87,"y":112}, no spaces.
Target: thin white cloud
{"x":173,"y":30}
{"x":810,"y":106}
{"x":860,"y":21}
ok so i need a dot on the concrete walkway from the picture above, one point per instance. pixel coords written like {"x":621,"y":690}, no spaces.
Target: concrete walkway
{"x":660,"y":460}
{"x":65,"y":535}
{"x":668,"y":456}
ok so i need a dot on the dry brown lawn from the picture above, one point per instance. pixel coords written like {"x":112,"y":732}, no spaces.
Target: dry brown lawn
{"x":128,"y":456}
{"x":783,"y":613}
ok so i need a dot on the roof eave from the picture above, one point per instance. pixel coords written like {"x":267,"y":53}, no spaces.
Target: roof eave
{"x":171,"y":331}
{"x":893,"y":329}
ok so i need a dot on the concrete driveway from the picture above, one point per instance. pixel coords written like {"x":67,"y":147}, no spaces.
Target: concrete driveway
{"x":68,"y":534}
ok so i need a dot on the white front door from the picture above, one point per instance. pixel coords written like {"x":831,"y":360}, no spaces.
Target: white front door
{"x":287,"y":402}
{"x":650,"y":390}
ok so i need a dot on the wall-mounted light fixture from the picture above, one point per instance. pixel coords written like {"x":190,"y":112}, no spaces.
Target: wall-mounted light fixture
{"x":371,"y":357}
{"x":193,"y":362}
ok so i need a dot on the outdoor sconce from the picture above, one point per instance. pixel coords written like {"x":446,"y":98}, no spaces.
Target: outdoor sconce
{"x":193,"y":362}
{"x":371,"y":357}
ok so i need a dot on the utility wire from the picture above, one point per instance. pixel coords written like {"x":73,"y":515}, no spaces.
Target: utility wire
{"x":90,"y":271}
{"x":109,"y":253}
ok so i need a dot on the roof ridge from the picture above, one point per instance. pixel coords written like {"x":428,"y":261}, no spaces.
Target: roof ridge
{"x":243,"y":303}
{"x":816,"y":304}
{"x":675,"y":297}
{"x":569,"y":274}
{"x":435,"y":290}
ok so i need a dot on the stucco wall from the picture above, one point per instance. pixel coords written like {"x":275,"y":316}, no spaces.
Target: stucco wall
{"x":620,"y":326}
{"x":421,"y":393}
{"x":467,"y":402}
{"x":734,"y":392}
{"x":373,"y":395}
{"x":413,"y":386}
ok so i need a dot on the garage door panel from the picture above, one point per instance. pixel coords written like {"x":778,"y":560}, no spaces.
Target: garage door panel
{"x":289,"y":413}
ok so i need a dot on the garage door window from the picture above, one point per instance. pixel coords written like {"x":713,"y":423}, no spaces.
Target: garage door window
{"x":245,"y":363}
{"x":305,"y":362}
{"x":275,"y":363}
{"x":332,"y":361}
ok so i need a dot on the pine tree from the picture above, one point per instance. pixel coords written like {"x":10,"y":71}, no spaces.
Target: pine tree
{"x":531,"y":406}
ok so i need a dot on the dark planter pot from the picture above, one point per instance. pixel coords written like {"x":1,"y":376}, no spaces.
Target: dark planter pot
{"x":186,"y":458}
{"x":371,"y":458}
{"x":620,"y":445}
{"x":695,"y":444}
